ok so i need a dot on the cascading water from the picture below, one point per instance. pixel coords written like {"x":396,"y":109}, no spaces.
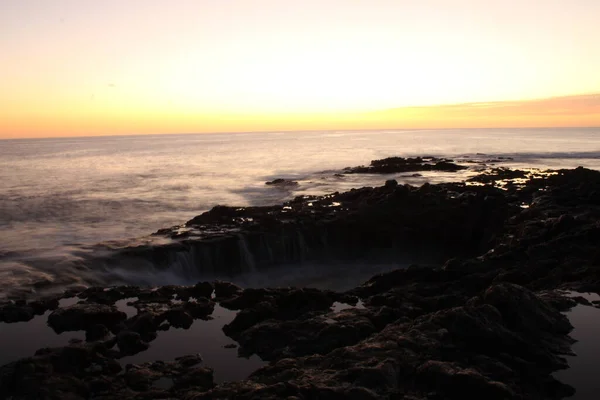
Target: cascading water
{"x":246,"y":259}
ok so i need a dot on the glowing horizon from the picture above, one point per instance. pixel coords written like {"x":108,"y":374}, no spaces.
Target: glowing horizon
{"x":73,"y":68}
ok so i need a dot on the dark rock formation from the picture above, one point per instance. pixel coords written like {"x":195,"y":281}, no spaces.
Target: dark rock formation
{"x":452,"y":353}
{"x":392,"y":165}
{"x":426,"y":224}
{"x":482,"y":321}
{"x":130,"y":343}
{"x":499,"y":176}
{"x":280,"y":182}
{"x":96,"y":332}
{"x":79,"y":372}
{"x":16,"y":313}
{"x":83,"y":316}
{"x":179,"y":318}
{"x":224,"y":290}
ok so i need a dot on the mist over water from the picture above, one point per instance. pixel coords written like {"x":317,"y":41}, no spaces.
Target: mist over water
{"x":60,"y":197}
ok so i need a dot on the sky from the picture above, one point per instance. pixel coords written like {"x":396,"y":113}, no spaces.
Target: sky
{"x":73,"y":67}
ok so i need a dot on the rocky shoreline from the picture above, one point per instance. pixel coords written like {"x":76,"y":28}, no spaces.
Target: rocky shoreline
{"x":479,"y":316}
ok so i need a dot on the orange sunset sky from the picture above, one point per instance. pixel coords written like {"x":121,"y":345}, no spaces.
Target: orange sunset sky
{"x":80,"y":68}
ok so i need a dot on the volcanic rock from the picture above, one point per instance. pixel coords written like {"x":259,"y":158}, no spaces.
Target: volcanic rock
{"x":400,"y":164}
{"x":130,"y":343}
{"x":282,"y":182}
{"x":82,"y":316}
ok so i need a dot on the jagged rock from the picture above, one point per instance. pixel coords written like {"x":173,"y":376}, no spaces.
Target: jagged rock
{"x":249,"y":317}
{"x":108,"y":296}
{"x":16,"y":313}
{"x":179,"y":318}
{"x":82,"y":316}
{"x":96,"y":332}
{"x":455,"y":382}
{"x":248,"y":298}
{"x":524,"y":312}
{"x":391,"y":183}
{"x":197,"y":378}
{"x":130,"y":343}
{"x":282,"y":182}
{"x":54,"y":373}
{"x":299,"y":301}
{"x":224,"y":290}
{"x":274,"y":339}
{"x":140,"y":378}
{"x":201,"y":309}
{"x":400,"y":164}
{"x":143,"y":324}
{"x":483,"y":320}
{"x":42,"y":305}
{"x":260,"y":305}
{"x":190,"y":360}
{"x":202,"y":289}
{"x":498,"y":174}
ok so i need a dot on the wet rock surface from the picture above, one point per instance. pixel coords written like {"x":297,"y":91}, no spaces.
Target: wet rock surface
{"x":482,"y":320}
{"x":429,"y":224}
{"x":392,"y":165}
{"x":83,"y":316}
{"x":280,"y":182}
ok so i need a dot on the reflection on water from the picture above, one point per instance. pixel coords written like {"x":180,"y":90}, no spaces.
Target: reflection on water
{"x":337,"y":306}
{"x":583,"y":367}
{"x":122,"y":305}
{"x":203,"y":337}
{"x":23,"y":339}
{"x":207,"y":339}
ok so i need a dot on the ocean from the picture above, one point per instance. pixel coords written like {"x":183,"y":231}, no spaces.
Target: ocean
{"x":61,"y":197}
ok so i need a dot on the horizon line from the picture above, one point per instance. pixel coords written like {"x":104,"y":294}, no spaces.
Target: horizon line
{"x":471,"y":115}
{"x":293,"y":131}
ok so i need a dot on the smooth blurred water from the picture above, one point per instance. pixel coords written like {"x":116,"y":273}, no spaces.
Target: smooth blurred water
{"x":59,"y":195}
{"x":581,"y":373}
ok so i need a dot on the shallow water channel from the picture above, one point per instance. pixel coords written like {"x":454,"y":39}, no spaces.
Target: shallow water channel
{"x":583,"y":367}
{"x":204,"y":337}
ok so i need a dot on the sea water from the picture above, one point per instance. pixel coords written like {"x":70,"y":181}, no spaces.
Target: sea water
{"x":60,"y":196}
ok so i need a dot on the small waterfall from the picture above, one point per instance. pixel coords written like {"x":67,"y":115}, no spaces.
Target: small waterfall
{"x":265,"y":248}
{"x":246,"y":258}
{"x":183,"y":263}
{"x":205,"y":264}
{"x":302,"y":247}
{"x":234,"y":253}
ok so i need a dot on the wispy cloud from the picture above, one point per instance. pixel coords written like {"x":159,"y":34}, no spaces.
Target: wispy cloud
{"x":577,"y":110}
